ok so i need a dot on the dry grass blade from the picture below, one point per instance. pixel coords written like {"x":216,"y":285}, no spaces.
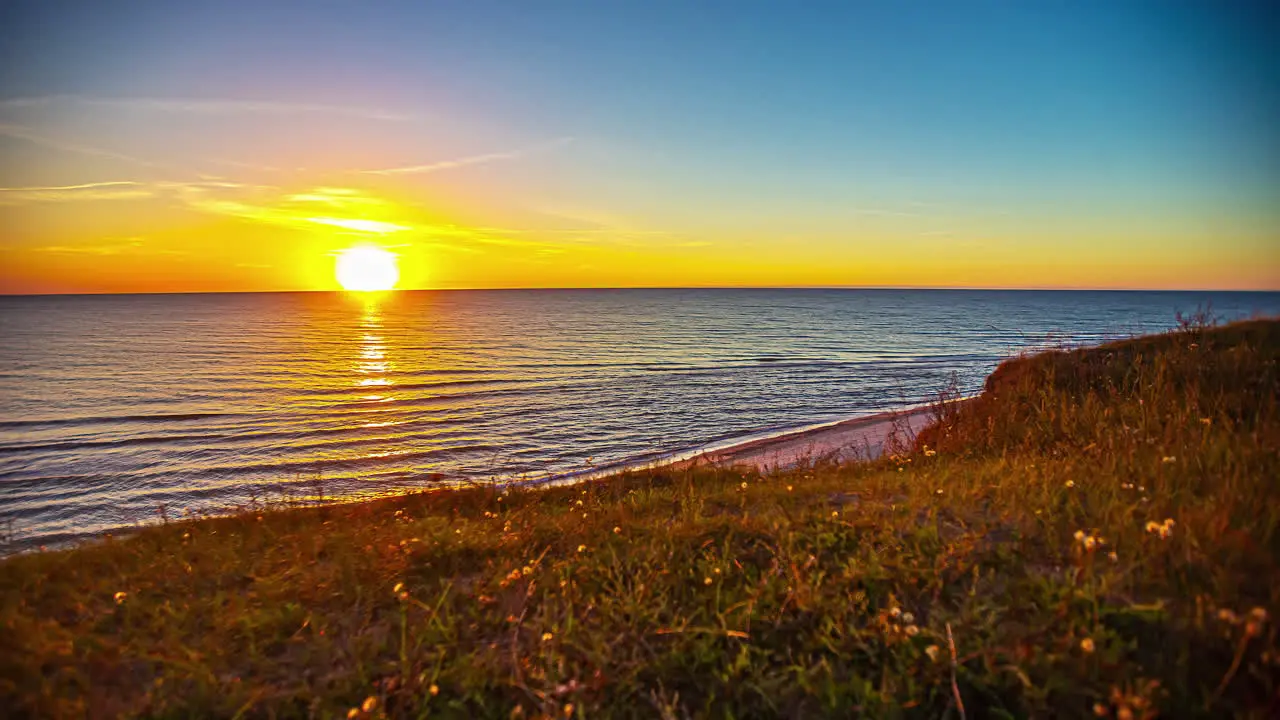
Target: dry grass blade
{"x":955,"y":686}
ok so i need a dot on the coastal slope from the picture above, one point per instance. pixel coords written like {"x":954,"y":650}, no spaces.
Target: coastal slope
{"x":1096,"y":535}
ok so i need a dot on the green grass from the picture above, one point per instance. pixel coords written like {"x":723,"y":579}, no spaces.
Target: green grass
{"x":825,"y":591}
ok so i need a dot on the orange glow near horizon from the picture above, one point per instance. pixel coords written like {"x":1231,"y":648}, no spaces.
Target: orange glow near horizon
{"x":220,"y":236}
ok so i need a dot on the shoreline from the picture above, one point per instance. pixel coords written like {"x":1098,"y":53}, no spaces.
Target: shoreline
{"x":848,"y":439}
{"x":851,"y":440}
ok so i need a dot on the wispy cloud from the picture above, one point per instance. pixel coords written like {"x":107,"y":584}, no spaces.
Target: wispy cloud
{"x":374,"y":227}
{"x":26,"y":119}
{"x":343,"y":208}
{"x":115,"y":249}
{"x":115,"y":190}
{"x":25,"y":133}
{"x":214,"y":106}
{"x":110,"y":246}
{"x":82,"y":186}
{"x":120,"y":190}
{"x":339,"y":197}
{"x":472,"y":160}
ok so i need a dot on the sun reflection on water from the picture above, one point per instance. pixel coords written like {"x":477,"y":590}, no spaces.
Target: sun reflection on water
{"x":371,"y":366}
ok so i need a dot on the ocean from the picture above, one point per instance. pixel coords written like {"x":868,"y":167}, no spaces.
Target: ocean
{"x":117,"y":409}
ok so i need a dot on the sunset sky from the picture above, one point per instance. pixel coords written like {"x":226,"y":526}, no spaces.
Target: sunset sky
{"x":226,"y":146}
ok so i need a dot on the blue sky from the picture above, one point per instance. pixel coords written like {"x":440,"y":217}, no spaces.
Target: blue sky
{"x":715,"y":120}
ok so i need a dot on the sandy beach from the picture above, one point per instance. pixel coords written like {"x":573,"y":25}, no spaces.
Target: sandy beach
{"x":860,"y":438}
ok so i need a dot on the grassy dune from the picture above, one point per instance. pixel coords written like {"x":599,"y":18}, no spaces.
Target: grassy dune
{"x":1095,"y":535}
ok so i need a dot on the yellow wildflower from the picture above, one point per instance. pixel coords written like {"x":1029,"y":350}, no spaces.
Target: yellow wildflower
{"x":434,"y":689}
{"x":120,"y":597}
{"x":369,"y":704}
{"x":1087,"y":645}
{"x":546,"y":637}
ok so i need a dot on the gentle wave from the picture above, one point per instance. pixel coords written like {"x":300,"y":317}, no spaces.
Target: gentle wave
{"x":112,"y":419}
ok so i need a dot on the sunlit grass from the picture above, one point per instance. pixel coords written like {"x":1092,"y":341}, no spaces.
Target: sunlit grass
{"x":1095,"y":536}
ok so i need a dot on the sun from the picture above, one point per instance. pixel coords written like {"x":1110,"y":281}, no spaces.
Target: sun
{"x":366,"y":269}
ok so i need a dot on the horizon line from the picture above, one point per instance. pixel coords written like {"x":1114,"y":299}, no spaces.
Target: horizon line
{"x":656,"y":287}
